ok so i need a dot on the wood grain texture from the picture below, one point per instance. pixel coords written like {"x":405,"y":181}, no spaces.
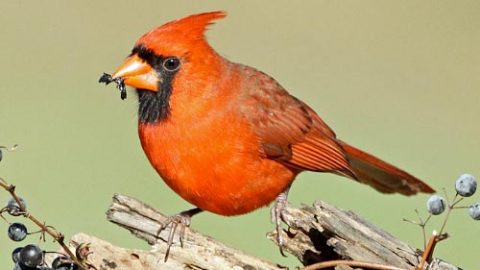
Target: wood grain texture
{"x":322,"y":232}
{"x":199,"y":251}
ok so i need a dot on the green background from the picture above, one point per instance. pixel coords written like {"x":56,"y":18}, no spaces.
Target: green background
{"x":397,"y":78}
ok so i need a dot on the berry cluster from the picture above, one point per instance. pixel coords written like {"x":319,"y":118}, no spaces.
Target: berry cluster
{"x":465,"y":186}
{"x":31,"y":256}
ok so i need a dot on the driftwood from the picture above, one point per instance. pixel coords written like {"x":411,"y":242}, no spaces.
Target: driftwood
{"x":318,"y":233}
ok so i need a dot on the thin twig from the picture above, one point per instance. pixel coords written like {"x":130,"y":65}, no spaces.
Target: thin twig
{"x":423,"y":231}
{"x":456,"y":202}
{"x":368,"y":265}
{"x":60,"y":238}
{"x":450,"y":208}
{"x":428,"y":251}
{"x":422,"y":225}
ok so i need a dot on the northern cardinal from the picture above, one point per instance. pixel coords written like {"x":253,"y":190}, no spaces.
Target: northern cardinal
{"x":227,"y":137}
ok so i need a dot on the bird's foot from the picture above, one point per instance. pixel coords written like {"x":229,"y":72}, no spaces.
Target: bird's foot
{"x":276,"y":214}
{"x":182,"y":220}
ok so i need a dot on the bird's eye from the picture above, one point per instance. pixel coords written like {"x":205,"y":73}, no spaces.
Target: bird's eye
{"x":171,"y":64}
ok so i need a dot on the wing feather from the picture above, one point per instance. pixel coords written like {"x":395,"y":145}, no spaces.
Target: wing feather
{"x":288,"y":129}
{"x":292,"y":133}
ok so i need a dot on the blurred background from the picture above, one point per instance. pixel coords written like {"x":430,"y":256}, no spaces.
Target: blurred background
{"x":397,"y":78}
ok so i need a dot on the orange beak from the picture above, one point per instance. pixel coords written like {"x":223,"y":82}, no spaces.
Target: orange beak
{"x":137,"y":73}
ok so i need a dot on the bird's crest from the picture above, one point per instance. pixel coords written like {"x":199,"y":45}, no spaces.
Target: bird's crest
{"x":186,"y":32}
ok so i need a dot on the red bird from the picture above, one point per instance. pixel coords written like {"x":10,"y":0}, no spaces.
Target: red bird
{"x":227,"y":137}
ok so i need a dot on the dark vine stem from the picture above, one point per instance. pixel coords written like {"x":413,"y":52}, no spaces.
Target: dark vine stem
{"x":59,"y":237}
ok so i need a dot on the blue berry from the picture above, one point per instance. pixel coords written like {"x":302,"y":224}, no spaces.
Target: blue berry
{"x":17,"y":231}
{"x":13,"y":208}
{"x":23,"y":267}
{"x":474,"y":211}
{"x":63,"y":263}
{"x":31,"y":256}
{"x":19,"y":266}
{"x":466,"y":185}
{"x":436,"y":205}
{"x":70,"y":266}
{"x":16,"y":254}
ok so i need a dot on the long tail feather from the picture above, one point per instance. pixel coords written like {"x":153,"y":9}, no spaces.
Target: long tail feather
{"x":382,"y":176}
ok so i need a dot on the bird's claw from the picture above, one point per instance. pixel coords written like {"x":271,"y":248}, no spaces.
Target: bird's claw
{"x":173,"y":222}
{"x":276,"y":214}
{"x":183,"y":219}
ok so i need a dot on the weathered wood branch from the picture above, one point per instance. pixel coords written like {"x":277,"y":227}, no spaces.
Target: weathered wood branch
{"x":322,"y":232}
{"x":199,"y":251}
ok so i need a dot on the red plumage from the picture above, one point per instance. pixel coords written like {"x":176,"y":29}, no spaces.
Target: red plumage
{"x":233,"y":138}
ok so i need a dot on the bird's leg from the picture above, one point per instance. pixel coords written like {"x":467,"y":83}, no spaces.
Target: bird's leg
{"x":277,"y":215}
{"x":182,"y":219}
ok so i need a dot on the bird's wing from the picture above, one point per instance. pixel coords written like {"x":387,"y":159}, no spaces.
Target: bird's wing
{"x":292,"y":133}
{"x":289,"y":131}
